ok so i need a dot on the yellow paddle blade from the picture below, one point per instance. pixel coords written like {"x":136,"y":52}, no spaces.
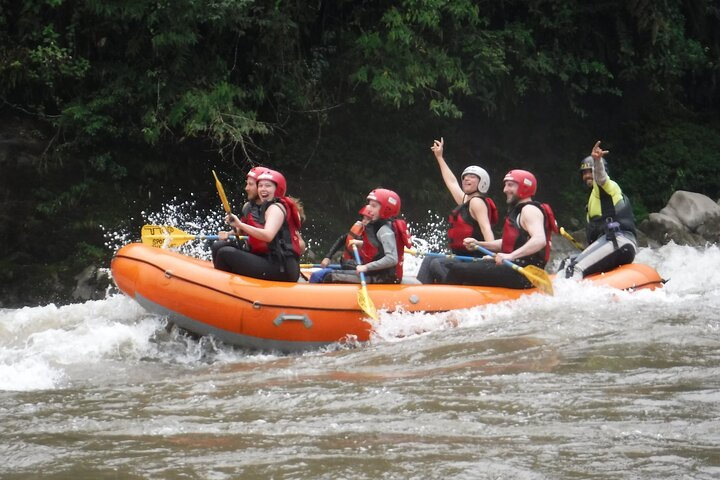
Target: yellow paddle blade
{"x":366,"y":303}
{"x":221,"y":192}
{"x":163,"y":236}
{"x":538,"y":277}
{"x":363,"y":299}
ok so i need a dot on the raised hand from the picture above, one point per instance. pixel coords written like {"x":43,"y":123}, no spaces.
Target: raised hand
{"x":437,"y":148}
{"x":597,"y":152}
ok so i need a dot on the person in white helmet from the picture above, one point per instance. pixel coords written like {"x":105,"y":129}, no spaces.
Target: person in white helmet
{"x":473,"y":217}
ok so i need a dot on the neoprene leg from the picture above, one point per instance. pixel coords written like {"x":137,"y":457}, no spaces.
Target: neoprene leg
{"x":602,"y":256}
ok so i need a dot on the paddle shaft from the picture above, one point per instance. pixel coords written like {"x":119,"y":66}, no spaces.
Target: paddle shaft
{"x":162,"y":236}
{"x":334,"y":266}
{"x":536,"y":275}
{"x":189,"y":237}
{"x":462,"y":258}
{"x":466,"y":258}
{"x":357,"y":259}
{"x":565,"y":234}
{"x":492,"y":254}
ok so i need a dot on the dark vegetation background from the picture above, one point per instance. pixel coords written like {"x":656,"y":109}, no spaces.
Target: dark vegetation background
{"x":110,"y":108}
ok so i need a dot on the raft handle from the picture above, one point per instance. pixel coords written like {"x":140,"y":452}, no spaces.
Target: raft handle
{"x":293,"y":318}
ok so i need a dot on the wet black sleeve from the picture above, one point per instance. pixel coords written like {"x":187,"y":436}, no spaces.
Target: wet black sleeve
{"x":338,"y":246}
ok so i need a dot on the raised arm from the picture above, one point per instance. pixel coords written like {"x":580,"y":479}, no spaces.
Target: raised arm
{"x":448,"y":176}
{"x":599,"y":174}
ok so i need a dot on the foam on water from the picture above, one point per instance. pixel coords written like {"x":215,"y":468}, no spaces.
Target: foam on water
{"x":579,"y":306}
{"x":38,"y":343}
{"x":51,"y":347}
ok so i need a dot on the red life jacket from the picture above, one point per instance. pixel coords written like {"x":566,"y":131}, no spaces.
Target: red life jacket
{"x":372,"y":249}
{"x":253,"y":214}
{"x":255,"y":217}
{"x":403,"y":240}
{"x":287,"y":239}
{"x":462,"y":225}
{"x":356,"y":233}
{"x":514,"y":236}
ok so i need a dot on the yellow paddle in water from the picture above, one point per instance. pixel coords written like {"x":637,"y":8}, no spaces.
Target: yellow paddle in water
{"x":364,"y":300}
{"x":565,"y":234}
{"x":163,"y":236}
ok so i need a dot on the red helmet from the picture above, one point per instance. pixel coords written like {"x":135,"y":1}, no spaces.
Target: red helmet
{"x":527,"y":184}
{"x":365,"y":211}
{"x":255,"y":171}
{"x":277,"y":178}
{"x":389,"y":202}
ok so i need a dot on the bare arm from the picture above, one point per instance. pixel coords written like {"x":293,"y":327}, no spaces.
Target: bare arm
{"x":479,"y":212}
{"x":274,"y":218}
{"x":448,"y":176}
{"x":532,"y":220}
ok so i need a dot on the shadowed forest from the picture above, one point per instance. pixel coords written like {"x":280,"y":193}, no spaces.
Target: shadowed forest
{"x":113,"y":108}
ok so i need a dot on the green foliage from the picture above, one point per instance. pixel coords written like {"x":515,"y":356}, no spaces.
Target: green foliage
{"x":443,"y":52}
{"x":677,"y":155}
{"x":136,"y":96}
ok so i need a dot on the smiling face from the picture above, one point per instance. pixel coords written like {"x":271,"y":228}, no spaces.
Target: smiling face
{"x":266,"y":190}
{"x":251,"y":189}
{"x":374,"y":209}
{"x":510,"y":189}
{"x":470,"y":183}
{"x":587,"y":177}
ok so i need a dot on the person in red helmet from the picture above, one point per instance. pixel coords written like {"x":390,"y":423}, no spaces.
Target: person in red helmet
{"x":473,"y":216}
{"x":274,"y":241}
{"x":344,"y":244}
{"x":251,"y":208}
{"x":382,"y":243}
{"x":525,"y":239}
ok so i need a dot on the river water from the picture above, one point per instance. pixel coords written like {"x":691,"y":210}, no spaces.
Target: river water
{"x":591,"y":383}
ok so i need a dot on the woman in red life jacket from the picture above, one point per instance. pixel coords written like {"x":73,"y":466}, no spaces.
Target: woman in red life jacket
{"x":250,"y":208}
{"x":473,"y":217}
{"x":525,"y":239}
{"x":380,"y":256}
{"x":274,"y":240}
{"x":344,"y":243}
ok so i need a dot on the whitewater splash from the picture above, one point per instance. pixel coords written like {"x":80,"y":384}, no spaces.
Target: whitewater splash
{"x":690,"y":273}
{"x":181,"y":214}
{"x":53,"y":347}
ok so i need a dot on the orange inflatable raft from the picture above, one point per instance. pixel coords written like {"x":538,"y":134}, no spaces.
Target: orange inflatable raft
{"x":291,"y":317}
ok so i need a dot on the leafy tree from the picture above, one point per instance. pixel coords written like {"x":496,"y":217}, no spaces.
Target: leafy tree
{"x":118,"y":100}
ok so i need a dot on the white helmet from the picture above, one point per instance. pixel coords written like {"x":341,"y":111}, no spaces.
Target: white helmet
{"x":482,"y":174}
